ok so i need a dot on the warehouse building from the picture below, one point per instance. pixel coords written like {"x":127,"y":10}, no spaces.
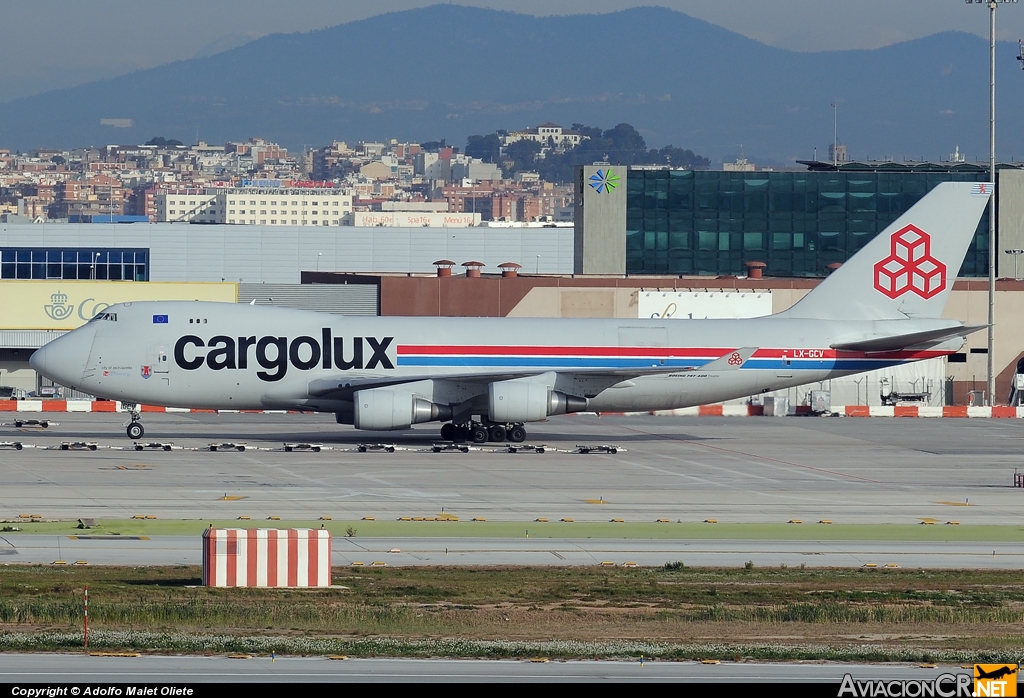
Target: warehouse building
{"x":264,"y":254}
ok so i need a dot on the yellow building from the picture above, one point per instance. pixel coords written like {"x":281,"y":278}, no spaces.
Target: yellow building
{"x":34,"y":312}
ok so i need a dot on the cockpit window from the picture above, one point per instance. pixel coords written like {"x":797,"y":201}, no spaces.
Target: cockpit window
{"x":112,"y":317}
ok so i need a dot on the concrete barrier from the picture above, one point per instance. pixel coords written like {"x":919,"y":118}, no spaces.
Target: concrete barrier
{"x":714,"y":410}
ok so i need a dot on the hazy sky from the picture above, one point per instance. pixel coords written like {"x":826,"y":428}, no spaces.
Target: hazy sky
{"x":59,"y":43}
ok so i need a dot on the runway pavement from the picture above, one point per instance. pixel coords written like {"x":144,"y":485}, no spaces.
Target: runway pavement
{"x":88,"y":670}
{"x":731,"y":469}
{"x":742,"y":470}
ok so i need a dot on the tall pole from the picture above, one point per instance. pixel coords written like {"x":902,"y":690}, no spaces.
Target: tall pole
{"x":835,"y":134}
{"x":991,"y":201}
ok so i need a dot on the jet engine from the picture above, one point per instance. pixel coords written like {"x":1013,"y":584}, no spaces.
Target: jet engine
{"x":524,"y":401}
{"x":384,"y":408}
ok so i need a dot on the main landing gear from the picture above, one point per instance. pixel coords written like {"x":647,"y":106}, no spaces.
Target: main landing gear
{"x":480,"y":433}
{"x":135,"y":429}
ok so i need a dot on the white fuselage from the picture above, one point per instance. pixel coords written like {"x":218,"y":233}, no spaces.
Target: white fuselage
{"x":226,"y":356}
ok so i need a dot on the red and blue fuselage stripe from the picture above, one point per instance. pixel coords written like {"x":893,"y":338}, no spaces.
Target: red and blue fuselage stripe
{"x":494,"y":356}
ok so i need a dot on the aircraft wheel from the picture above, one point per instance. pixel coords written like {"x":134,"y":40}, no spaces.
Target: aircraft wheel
{"x":496,"y":433}
{"x":478,"y":435}
{"x":135,"y":431}
{"x":449,"y":431}
{"x":461,"y":433}
{"x":517,"y":434}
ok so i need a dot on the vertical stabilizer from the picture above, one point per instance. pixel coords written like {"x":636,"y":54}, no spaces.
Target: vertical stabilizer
{"x":909,"y":268}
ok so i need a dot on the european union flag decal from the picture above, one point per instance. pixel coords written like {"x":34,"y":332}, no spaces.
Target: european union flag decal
{"x":159,"y":319}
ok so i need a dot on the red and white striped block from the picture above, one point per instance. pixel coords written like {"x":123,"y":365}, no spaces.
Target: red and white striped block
{"x":717,"y":410}
{"x":105,"y":406}
{"x":266,"y":557}
{"x":926,"y":411}
{"x":962,"y":411}
{"x":714,"y":411}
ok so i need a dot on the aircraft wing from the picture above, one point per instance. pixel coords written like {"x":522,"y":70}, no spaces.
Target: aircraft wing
{"x":342,"y":387}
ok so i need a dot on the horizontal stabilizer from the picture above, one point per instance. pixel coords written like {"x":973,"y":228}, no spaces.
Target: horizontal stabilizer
{"x":730,"y":361}
{"x":902,"y":341}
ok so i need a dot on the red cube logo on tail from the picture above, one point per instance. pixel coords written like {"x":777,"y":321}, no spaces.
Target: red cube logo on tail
{"x":910,"y":266}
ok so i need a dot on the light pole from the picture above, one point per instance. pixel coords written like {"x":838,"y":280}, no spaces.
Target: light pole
{"x":835,"y":134}
{"x":992,"y":196}
{"x":1016,"y":254}
{"x":318,"y":256}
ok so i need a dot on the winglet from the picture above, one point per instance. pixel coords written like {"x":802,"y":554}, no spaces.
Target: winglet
{"x":730,"y":361}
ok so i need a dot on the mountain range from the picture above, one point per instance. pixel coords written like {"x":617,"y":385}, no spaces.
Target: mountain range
{"x":449,"y":71}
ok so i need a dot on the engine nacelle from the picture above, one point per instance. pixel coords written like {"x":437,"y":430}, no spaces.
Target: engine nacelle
{"x":523,"y":401}
{"x":384,"y":408}
{"x":560,"y":403}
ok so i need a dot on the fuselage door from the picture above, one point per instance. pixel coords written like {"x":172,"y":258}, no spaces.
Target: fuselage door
{"x":785,"y":368}
{"x":157,"y":359}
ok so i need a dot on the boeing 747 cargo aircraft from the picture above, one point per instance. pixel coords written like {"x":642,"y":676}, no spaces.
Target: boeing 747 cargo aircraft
{"x":485,"y":378}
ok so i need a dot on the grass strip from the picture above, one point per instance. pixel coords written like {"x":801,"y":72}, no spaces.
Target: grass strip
{"x":509,"y":612}
{"x":189,"y":643}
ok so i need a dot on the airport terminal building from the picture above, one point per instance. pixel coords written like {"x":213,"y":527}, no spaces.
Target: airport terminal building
{"x":658,"y":220}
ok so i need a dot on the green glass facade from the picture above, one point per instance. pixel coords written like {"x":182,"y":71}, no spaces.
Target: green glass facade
{"x":711,"y":223}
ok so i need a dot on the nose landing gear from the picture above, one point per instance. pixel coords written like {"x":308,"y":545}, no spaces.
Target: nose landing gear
{"x":479,"y":433}
{"x":135,"y":429}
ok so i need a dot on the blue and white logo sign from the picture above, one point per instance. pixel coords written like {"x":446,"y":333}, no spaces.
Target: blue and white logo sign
{"x":604,"y":181}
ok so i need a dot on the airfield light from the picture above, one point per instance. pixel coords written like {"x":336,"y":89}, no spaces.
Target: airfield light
{"x":1016,"y":254}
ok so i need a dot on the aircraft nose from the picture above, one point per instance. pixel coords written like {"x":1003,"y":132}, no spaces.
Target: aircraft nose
{"x":64,"y":359}
{"x":38,"y":361}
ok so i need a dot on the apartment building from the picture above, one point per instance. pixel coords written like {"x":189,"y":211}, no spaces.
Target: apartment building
{"x":255,"y":206}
